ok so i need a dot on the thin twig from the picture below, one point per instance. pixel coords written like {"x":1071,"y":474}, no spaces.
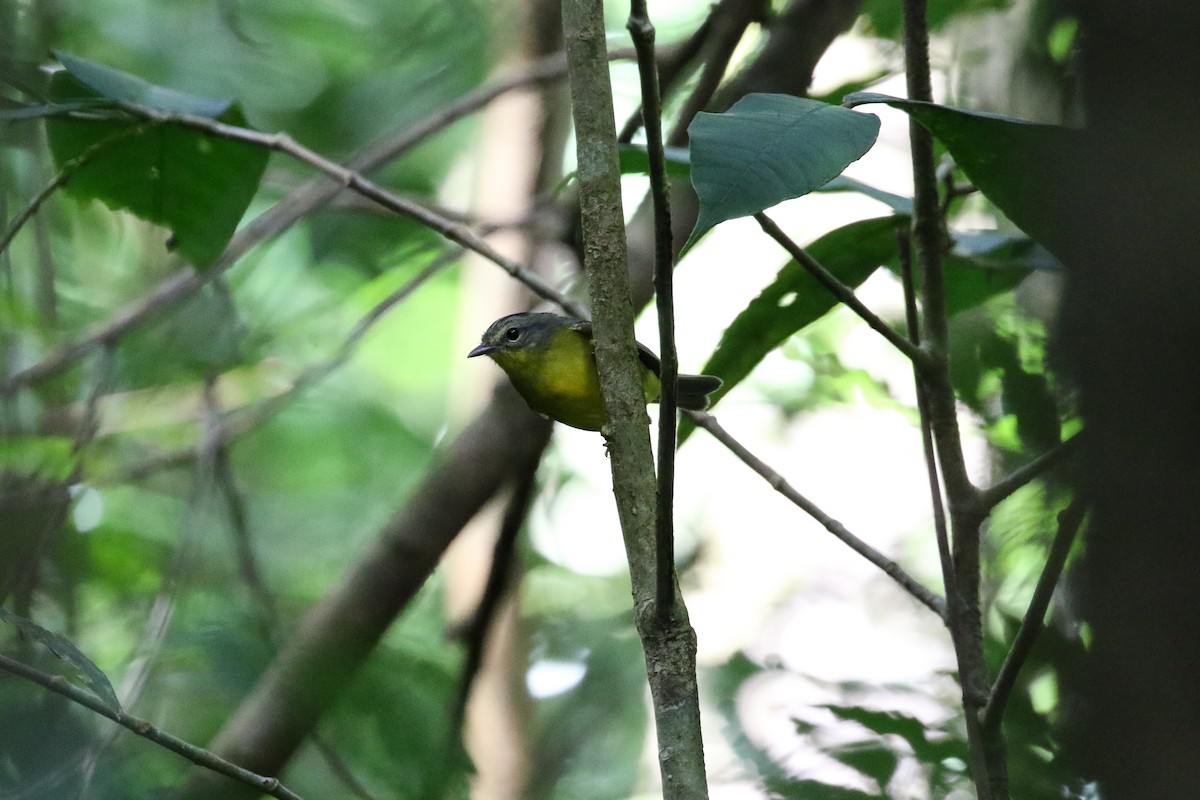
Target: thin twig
{"x":642,"y":31}
{"x":224,"y":482}
{"x":197,"y":755}
{"x":841,"y":291}
{"x":1069,"y":520}
{"x":777,"y":482}
{"x":941,"y":532}
{"x":355,"y":181}
{"x":669,"y":71}
{"x":64,"y":176}
{"x":548,"y":69}
{"x":994,"y":495}
{"x":167,"y":294}
{"x":730,"y":19}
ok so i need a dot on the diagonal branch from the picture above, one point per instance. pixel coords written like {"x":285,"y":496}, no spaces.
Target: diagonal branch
{"x":841,"y":291}
{"x":994,"y":495}
{"x":197,"y":755}
{"x":777,"y":482}
{"x":1069,"y":521}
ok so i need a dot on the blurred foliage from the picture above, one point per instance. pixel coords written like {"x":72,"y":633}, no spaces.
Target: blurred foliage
{"x":119,"y":533}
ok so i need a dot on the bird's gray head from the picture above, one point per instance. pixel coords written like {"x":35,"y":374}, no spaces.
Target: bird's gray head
{"x":524,"y":331}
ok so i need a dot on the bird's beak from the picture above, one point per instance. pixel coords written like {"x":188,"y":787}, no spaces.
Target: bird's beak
{"x":481,"y":350}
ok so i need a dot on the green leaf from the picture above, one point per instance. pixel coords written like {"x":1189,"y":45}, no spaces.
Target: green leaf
{"x":980,"y":266}
{"x":983,"y":264}
{"x":635,"y":160}
{"x":769,"y":148}
{"x":927,"y":749}
{"x":1023,"y":167}
{"x":95,"y":680}
{"x":898,"y":203}
{"x":195,"y":184}
{"x":122,"y":87}
{"x":796,"y":299}
{"x":872,"y":758}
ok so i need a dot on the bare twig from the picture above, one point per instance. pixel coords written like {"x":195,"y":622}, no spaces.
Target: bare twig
{"x":548,"y":69}
{"x":941,"y":532}
{"x":224,"y":482}
{"x":670,"y":71}
{"x":355,"y":181}
{"x":729,"y":20}
{"x":777,"y":482}
{"x":197,"y":755}
{"x":166,"y":295}
{"x":1069,"y":521}
{"x":642,"y":31}
{"x":841,"y":291}
{"x":999,"y":492}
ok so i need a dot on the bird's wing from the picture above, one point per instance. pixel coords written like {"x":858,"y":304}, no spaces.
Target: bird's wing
{"x":645,"y":355}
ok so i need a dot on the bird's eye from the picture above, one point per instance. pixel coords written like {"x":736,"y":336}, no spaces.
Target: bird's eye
{"x":512,"y":334}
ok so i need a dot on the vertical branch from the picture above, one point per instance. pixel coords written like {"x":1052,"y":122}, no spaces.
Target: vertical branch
{"x":642,"y":32}
{"x":988,"y":757}
{"x":913,"y":321}
{"x":668,"y":640}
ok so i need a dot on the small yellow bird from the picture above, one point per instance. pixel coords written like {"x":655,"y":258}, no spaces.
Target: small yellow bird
{"x":551,"y":361}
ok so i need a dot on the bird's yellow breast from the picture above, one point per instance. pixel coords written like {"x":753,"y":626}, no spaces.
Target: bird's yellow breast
{"x":559,"y":379}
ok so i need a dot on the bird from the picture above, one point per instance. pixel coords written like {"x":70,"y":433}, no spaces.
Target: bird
{"x":551,"y":361}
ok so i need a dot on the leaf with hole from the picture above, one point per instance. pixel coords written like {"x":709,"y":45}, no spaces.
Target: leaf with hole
{"x":796,"y":299}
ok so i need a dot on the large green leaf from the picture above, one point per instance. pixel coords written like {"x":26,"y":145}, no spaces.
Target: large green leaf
{"x":1023,"y":167}
{"x":193,"y":183}
{"x":983,"y":264}
{"x":769,"y":148}
{"x":978,"y":267}
{"x":795,"y":298}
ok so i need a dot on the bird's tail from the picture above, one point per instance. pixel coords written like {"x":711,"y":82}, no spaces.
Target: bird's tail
{"x":693,"y":390}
